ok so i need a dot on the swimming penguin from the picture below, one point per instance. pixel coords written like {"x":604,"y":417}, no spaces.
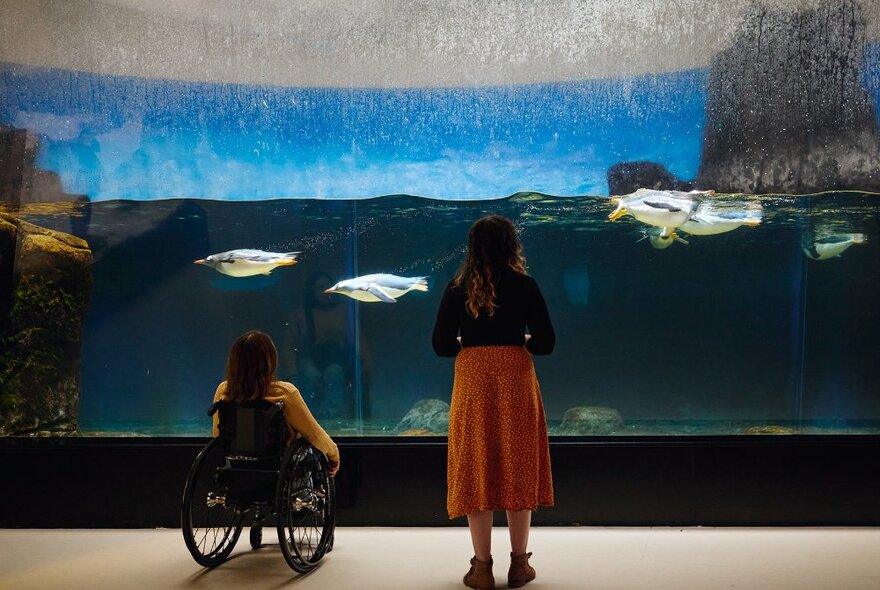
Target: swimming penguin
{"x":664,"y":209}
{"x":247,"y":263}
{"x":661,"y":242}
{"x":379,"y":287}
{"x":833,"y":245}
{"x":709,"y":220}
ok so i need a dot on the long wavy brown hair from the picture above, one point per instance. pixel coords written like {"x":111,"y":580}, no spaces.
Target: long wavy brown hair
{"x":251,"y":366}
{"x":492,"y":246}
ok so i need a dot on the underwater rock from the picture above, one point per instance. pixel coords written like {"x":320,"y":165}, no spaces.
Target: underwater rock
{"x":590,"y":420}
{"x":769,"y":429}
{"x":45,"y":287}
{"x":627,"y":177}
{"x":427,"y":414}
{"x":787,"y":110}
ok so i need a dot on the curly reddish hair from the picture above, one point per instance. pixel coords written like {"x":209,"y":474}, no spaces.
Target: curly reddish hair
{"x":492,"y":246}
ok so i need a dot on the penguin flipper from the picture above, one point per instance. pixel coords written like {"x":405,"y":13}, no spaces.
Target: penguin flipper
{"x":380,"y":293}
{"x":661,"y":205}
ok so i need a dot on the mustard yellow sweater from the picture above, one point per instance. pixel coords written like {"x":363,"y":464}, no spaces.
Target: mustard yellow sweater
{"x":296,"y":413}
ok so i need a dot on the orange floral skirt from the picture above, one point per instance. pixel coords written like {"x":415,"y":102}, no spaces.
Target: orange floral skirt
{"x":499,"y":457}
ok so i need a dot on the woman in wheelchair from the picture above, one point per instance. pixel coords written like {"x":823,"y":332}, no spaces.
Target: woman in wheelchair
{"x":268,"y":457}
{"x":250,"y":375}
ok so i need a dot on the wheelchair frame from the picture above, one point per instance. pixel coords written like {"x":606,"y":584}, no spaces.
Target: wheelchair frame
{"x":250,"y":470}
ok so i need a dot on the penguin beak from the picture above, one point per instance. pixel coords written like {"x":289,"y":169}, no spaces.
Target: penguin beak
{"x":330,"y":290}
{"x":618,"y":213}
{"x":199,"y":261}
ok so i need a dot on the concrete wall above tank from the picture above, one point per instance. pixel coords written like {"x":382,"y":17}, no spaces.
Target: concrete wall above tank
{"x":376,"y":43}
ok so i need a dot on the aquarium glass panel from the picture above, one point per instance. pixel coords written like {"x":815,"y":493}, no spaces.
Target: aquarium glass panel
{"x":697,"y":190}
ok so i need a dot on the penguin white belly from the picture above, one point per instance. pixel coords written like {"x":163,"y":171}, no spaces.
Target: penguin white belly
{"x":361,"y":295}
{"x":660,"y":218}
{"x":244,"y":268}
{"x":826,"y":251}
{"x":396,"y":292}
{"x":367,"y":297}
{"x":709,"y":229}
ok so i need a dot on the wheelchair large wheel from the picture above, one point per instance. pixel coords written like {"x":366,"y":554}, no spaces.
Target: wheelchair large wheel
{"x":305,"y":505}
{"x":210,"y":527}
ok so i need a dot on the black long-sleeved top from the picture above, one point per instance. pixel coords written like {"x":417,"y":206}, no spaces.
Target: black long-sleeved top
{"x":520,"y":306}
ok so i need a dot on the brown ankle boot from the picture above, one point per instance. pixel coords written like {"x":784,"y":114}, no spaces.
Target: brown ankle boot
{"x":480,"y":575}
{"x":520,"y":572}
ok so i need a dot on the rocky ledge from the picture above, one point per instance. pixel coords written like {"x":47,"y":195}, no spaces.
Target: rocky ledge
{"x":45,"y":289}
{"x":787,"y":110}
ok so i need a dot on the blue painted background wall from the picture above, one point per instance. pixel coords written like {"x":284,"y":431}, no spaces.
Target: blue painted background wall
{"x":115,"y":137}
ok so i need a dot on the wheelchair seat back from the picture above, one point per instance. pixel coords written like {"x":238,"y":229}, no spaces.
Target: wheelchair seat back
{"x":253,"y":436}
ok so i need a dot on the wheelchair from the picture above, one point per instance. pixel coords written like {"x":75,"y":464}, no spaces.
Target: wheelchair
{"x":250,"y":472}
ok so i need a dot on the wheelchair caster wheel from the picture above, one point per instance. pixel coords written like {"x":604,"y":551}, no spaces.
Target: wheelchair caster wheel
{"x":257,"y":535}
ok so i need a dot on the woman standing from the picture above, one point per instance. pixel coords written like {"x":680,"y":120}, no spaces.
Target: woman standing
{"x":499,"y":458}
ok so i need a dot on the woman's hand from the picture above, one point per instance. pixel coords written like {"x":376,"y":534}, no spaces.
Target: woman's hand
{"x":334,"y":468}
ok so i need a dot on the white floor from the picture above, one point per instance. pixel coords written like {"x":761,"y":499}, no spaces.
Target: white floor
{"x":391,"y":558}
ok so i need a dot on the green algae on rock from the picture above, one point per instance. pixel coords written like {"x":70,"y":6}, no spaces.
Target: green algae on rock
{"x":46,"y":284}
{"x":431,"y":415}
{"x":590,"y":420}
{"x":774,"y":429}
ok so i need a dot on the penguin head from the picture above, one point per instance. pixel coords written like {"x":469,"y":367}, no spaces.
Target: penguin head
{"x":207,"y":262}
{"x":661,"y":242}
{"x":334,"y":289}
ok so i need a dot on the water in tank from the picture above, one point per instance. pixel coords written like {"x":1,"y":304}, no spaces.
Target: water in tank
{"x":704,"y":223}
